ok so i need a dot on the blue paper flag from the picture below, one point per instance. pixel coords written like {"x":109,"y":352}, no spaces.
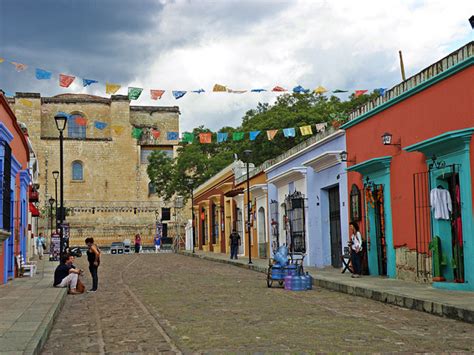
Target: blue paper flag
{"x":8,"y":93}
{"x":87,"y":82}
{"x":254,"y":135}
{"x":222,"y":137}
{"x":42,"y":74}
{"x":178,"y":94}
{"x":100,"y":125}
{"x":257,"y":90}
{"x":381,"y":91}
{"x":289,"y":132}
{"x":64,"y":113}
{"x":199,"y":91}
{"x":173,"y":136}
{"x":300,"y":90}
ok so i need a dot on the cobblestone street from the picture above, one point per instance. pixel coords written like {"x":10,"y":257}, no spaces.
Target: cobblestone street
{"x":173,"y":303}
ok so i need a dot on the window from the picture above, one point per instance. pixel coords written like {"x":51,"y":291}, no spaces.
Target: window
{"x":146,"y":152}
{"x":215,"y":224}
{"x":76,"y":126}
{"x":77,"y":171}
{"x":151,"y":188}
{"x":6,"y":186}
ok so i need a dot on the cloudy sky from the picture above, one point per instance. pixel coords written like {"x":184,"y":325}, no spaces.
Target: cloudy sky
{"x":187,"y":45}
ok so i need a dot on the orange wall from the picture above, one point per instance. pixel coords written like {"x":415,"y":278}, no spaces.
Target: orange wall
{"x":446,"y":106}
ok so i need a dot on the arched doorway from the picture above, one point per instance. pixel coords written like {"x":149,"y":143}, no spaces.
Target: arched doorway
{"x":262,"y":233}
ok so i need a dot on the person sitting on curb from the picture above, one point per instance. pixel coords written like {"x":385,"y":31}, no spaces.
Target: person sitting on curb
{"x":67,"y":275}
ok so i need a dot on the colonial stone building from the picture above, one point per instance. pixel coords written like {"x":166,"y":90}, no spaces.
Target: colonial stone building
{"x":106,"y":186}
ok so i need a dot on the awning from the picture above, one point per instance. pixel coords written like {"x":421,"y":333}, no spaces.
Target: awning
{"x":234,"y":192}
{"x":34,"y":211}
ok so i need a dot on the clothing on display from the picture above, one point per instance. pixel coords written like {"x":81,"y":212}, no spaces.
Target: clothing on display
{"x":441,"y":203}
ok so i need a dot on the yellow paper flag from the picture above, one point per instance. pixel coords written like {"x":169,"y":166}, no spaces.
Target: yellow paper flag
{"x":111,"y":88}
{"x":306,"y":130}
{"x":25,"y":102}
{"x":271,"y":134}
{"x":320,"y":90}
{"x":219,"y":88}
{"x":2,"y":60}
{"x":118,"y":129}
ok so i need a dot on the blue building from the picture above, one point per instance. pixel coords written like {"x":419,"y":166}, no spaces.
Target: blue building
{"x":307,"y":196}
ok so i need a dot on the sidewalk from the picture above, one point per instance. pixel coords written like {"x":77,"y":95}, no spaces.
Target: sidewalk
{"x":412,"y":295}
{"x":28,"y":308}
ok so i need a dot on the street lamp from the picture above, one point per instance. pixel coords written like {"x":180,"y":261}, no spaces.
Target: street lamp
{"x":190,"y":183}
{"x":387,"y":139}
{"x":247,"y":154}
{"x":51,"y":203}
{"x":55,"y":176}
{"x":61,"y":121}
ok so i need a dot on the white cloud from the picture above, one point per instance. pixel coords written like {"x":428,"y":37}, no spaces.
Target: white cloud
{"x":337,"y":44}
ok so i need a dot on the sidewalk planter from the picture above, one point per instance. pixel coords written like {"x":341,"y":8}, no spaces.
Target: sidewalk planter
{"x":406,"y":149}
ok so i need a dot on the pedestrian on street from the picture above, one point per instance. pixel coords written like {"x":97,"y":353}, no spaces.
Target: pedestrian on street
{"x":157,"y":241}
{"x":234,"y":243}
{"x":40,"y":245}
{"x":355,"y":242}
{"x":138,"y":243}
{"x":93,"y":257}
{"x":67,"y":275}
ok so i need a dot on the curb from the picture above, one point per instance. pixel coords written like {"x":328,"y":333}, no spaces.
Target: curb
{"x":418,"y":304}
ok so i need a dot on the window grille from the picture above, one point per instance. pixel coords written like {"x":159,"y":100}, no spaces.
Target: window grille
{"x":296,"y":218}
{"x":6,"y":186}
{"x":77,"y":171}
{"x":75,"y":130}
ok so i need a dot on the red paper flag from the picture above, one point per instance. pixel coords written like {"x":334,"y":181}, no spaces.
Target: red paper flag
{"x":81,"y":121}
{"x":359,"y":93}
{"x":205,"y":138}
{"x":156,"y":94}
{"x":65,"y":80}
{"x":155,"y":133}
{"x":278,"y":88}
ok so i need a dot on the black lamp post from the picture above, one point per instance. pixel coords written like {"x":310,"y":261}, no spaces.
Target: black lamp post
{"x":190,"y":184}
{"x":51,"y":203}
{"x":247,"y":154}
{"x":61,"y":120}
{"x":55,"y":176}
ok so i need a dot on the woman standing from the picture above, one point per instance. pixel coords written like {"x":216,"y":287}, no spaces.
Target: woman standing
{"x":93,"y":257}
{"x":355,"y":243}
{"x":138,"y":243}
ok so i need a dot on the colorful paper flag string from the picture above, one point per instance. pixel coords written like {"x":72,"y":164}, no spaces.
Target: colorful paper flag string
{"x":289,"y":132}
{"x":80,"y":121}
{"x":19,"y":66}
{"x":25,"y":102}
{"x":118,"y":129}
{"x":2,"y":60}
{"x":236,"y":91}
{"x":258,"y":90}
{"x":306,"y":130}
{"x":320,"y":90}
{"x":188,"y":137}
{"x":358,"y":93}
{"x":42,"y":74}
{"x":222,"y":137}
{"x":172,"y":136}
{"x":338,"y":91}
{"x":278,"y":89}
{"x":87,"y":82}
{"x":134,"y":93}
{"x":199,"y":91}
{"x":100,"y":125}
{"x":65,"y":80}
{"x":219,"y":88}
{"x":300,"y":90}
{"x":156,"y":94}
{"x":205,"y":138}
{"x":111,"y":88}
{"x":253,"y":135}
{"x":136,"y":132}
{"x":178,"y":94}
{"x":156,"y":133}
{"x":271,"y":134}
{"x":238,"y":136}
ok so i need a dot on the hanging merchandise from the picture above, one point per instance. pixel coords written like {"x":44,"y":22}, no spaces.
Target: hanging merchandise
{"x":253,"y":135}
{"x":222,"y":137}
{"x":238,"y":136}
{"x":136,"y":132}
{"x":306,"y":130}
{"x":205,"y":138}
{"x":441,"y":203}
{"x":65,"y":80}
{"x":134,"y":93}
{"x":289,"y":132}
{"x":111,"y":88}
{"x":172,"y":136}
{"x":42,"y":74}
{"x":271,"y":134}
{"x":178,"y":94}
{"x":100,"y":125}
{"x":156,"y":94}
{"x":188,"y":137}
{"x":87,"y":82}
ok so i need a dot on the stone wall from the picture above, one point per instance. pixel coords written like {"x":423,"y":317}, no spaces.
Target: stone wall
{"x":115,"y":182}
{"x":406,"y":264}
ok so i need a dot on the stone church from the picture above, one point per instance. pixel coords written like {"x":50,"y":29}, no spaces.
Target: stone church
{"x":106,"y":187}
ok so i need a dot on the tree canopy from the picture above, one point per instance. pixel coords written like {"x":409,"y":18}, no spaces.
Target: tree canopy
{"x":201,"y":161}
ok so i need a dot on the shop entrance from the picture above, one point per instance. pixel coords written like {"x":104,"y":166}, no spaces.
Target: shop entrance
{"x":335,"y":226}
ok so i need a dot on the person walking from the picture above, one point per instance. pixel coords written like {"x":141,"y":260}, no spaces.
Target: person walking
{"x":40,"y":245}
{"x":234,"y":243}
{"x":157,"y":241}
{"x":138,"y":243}
{"x":93,"y":257}
{"x":355,"y":242}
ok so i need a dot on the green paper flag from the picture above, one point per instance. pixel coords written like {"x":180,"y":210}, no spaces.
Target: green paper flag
{"x":188,"y":137}
{"x":338,"y":91}
{"x":136,"y":132}
{"x":134,"y":93}
{"x":238,"y":136}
